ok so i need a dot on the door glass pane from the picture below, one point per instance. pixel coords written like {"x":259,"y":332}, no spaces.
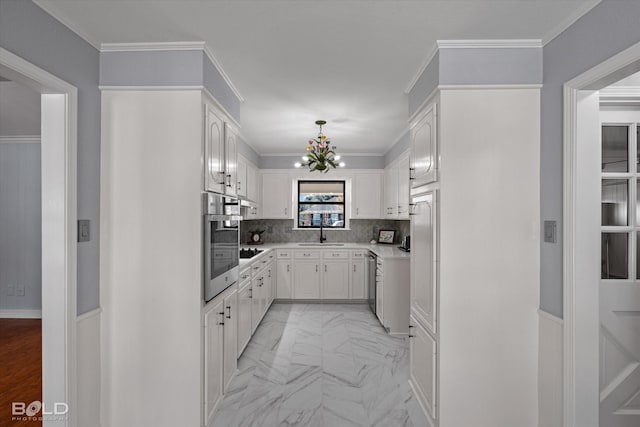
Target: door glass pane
{"x":614,"y":201}
{"x":615,"y":143}
{"x":614,"y":256}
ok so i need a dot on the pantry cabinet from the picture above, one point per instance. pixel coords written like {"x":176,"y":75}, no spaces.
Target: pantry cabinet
{"x":422,"y":366}
{"x":213,"y":357}
{"x":214,"y":170}
{"x":231,"y":159}
{"x":424,"y":148}
{"x":230,"y":363}
{"x":244,"y":311}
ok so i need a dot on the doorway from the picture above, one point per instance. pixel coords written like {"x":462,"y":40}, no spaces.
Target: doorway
{"x":58,"y":204}
{"x":601,"y":289}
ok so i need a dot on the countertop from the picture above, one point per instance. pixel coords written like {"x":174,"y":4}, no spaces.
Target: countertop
{"x":382,"y":251}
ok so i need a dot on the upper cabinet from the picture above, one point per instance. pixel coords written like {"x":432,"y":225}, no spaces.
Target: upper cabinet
{"x":366,"y":190}
{"x":396,"y":188}
{"x":276,"y":195}
{"x":220,"y":152}
{"x":424,"y":148}
{"x":241,"y":178}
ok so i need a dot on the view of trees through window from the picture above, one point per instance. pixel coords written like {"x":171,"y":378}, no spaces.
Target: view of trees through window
{"x":321,"y":202}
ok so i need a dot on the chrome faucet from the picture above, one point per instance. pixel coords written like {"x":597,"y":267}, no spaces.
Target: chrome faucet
{"x":322,"y":237}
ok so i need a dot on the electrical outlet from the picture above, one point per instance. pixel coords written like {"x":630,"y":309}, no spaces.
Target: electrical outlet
{"x":269,"y":229}
{"x":10,"y":290}
{"x":20,"y":290}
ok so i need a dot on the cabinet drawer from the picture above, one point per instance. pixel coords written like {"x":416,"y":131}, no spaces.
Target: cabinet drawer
{"x":245,"y":274}
{"x":335,"y":254}
{"x":359,"y":254}
{"x":284,"y":254}
{"x":307,"y":255}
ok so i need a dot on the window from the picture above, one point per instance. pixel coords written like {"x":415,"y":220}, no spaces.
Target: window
{"x":321,"y":203}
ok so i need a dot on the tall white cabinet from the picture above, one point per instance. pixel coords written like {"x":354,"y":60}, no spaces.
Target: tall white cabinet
{"x":475,"y":256}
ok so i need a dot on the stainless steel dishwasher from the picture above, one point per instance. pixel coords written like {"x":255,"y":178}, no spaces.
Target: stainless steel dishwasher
{"x":371,"y":280}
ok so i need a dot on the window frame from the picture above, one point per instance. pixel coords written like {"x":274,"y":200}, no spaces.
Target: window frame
{"x":343,"y":203}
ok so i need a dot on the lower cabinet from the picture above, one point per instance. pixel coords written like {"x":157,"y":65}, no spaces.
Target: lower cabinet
{"x":393,"y":294}
{"x":358,"y":275}
{"x":306,"y":279}
{"x":335,"y":280}
{"x":244,"y":315}
{"x":213,"y":357}
{"x":284,"y":275}
{"x":258,"y":303}
{"x":423,"y":353}
{"x":230,"y":363}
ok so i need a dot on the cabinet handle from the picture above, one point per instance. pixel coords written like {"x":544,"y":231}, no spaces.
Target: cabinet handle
{"x":238,"y":185}
{"x":354,"y":268}
{"x":229,"y":313}
{"x":411,"y":171}
{"x":316,"y":268}
{"x":229,"y":180}
{"x":357,"y":211}
{"x":251,"y":294}
{"x":287,"y":268}
{"x":221,"y":314}
{"x":325,"y":268}
{"x":285,"y":211}
{"x":269,"y":272}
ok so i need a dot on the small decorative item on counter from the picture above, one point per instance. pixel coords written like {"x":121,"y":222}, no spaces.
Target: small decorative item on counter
{"x":386,"y":236}
{"x":255,"y":236}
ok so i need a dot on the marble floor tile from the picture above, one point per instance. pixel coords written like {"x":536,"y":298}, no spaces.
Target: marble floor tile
{"x":321,"y":365}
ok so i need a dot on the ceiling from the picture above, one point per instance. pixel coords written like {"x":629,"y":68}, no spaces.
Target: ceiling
{"x":348,"y":62}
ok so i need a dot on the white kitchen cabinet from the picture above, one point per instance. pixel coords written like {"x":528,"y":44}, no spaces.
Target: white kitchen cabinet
{"x":424,"y":148}
{"x":358,"y":275}
{"x":424,"y":290}
{"x":244,"y":313}
{"x":257,"y":301}
{"x":306,"y":278}
{"x":392,"y":294}
{"x":403,"y":171}
{"x":213,"y":357}
{"x":335,"y":279}
{"x":231,"y":159}
{"x":230,"y":363}
{"x":276,"y":195}
{"x":284,"y":275}
{"x":253,"y":185}
{"x":391,"y":192}
{"x":214,"y":173}
{"x":423,"y":353}
{"x":366,"y":191}
{"x":241,"y":178}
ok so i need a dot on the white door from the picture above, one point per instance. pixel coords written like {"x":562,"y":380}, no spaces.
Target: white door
{"x":619,"y":372}
{"x":214,"y":151}
{"x":424,"y":148}
{"x":335,"y":280}
{"x":306,"y":280}
{"x":213,"y":344}
{"x":423,"y":367}
{"x":230,"y":363}
{"x":423,"y":260}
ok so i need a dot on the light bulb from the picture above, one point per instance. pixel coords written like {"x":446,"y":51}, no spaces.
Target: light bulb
{"x":297,"y":164}
{"x":305,"y":158}
{"x":342,"y":164}
{"x":337,"y":157}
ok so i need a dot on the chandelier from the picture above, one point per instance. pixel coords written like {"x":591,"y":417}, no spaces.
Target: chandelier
{"x":321,"y":155}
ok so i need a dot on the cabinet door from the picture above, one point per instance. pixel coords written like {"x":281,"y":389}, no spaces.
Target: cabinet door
{"x":268,"y":286}
{"x":213,"y":151}
{"x":358,"y":280}
{"x":391,"y":192}
{"x":244,"y":316}
{"x":231,"y":160}
{"x":424,"y":148}
{"x":241,"y":178}
{"x":276,"y":196}
{"x":403,"y":186}
{"x":283,"y":288}
{"x":230,"y":363}
{"x":306,"y":280}
{"x":423,"y":367}
{"x":424,"y":289}
{"x":252,"y":184}
{"x":256,"y":302}
{"x":379,"y":300}
{"x":335,"y":280}
{"x":213,"y":357}
{"x":366,"y":195}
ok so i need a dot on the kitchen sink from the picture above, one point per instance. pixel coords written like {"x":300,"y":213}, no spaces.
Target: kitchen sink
{"x":320,"y":244}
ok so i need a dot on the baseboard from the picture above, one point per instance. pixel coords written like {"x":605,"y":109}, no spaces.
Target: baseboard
{"x":319,"y":301}
{"x":20,"y":314}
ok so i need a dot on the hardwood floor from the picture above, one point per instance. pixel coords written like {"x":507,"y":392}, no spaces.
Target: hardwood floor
{"x":20,"y":367}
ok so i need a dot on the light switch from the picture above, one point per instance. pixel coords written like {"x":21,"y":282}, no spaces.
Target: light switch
{"x":550,"y":231}
{"x":84,"y":231}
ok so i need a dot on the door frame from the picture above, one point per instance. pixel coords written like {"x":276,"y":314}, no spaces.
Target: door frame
{"x":59,"y":231}
{"x":581,"y":235}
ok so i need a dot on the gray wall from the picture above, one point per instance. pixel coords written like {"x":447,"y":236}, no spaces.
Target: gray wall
{"x":20,"y":226}
{"x":606,"y":30}
{"x":362,"y":231}
{"x":352,"y":162}
{"x":167,"y":68}
{"x":426,"y":83}
{"x":19,"y":110}
{"x":29,"y":32}
{"x":400,"y":147}
{"x":249,"y":153}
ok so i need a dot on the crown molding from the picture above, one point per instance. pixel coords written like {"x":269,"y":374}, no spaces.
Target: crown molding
{"x":164,"y":46}
{"x":423,"y":66}
{"x":395,"y":141}
{"x":582,"y":10}
{"x":19,"y":139}
{"x":50,"y":9}
{"x":490,"y":44}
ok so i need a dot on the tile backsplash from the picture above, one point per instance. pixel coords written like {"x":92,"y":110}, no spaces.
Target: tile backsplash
{"x":361,"y":231}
